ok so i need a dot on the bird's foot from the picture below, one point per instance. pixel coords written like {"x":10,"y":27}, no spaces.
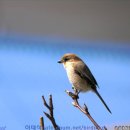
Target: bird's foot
{"x":77,"y":92}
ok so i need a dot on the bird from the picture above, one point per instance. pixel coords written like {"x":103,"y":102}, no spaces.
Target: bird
{"x":80,"y":75}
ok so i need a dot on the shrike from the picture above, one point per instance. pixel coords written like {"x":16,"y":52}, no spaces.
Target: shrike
{"x":80,"y":75}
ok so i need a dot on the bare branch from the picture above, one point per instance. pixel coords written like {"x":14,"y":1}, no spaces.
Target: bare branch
{"x":41,"y":123}
{"x":50,"y":116}
{"x":51,"y":105}
{"x":47,"y":115}
{"x":44,"y":101}
{"x":84,"y":109}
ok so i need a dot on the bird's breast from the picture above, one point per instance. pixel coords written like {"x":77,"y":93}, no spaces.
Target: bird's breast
{"x":75,"y":79}
{"x":70,"y":71}
{"x":71,"y":74}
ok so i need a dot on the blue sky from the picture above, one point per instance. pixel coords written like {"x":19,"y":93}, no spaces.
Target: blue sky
{"x":29,"y":71}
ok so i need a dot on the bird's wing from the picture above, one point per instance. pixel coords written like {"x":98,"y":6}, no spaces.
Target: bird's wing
{"x":84,"y":72}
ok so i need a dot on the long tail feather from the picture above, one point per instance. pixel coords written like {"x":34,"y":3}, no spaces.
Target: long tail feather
{"x":97,"y":93}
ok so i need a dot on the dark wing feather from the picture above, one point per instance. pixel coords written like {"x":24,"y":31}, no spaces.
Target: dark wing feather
{"x":84,"y":72}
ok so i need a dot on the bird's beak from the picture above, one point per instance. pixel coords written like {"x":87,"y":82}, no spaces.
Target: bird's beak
{"x":60,"y":61}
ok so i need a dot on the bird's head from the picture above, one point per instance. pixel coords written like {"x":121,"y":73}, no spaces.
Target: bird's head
{"x":69,"y":57}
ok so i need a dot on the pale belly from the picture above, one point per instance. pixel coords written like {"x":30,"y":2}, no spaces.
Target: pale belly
{"x":77,"y":82}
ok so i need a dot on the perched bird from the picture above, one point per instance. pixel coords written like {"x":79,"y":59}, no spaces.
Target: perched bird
{"x":80,"y":75}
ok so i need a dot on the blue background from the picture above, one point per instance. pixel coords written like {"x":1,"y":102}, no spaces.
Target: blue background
{"x":28,"y":71}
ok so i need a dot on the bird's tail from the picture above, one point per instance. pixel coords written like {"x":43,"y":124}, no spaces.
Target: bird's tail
{"x":97,"y":93}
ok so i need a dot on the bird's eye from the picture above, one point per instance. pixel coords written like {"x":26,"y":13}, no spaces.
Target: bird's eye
{"x":66,"y":59}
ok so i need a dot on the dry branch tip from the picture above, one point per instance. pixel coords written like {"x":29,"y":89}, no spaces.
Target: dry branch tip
{"x":41,"y":123}
{"x":72,"y":95}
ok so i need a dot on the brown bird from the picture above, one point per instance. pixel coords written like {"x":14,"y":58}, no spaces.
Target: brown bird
{"x":80,"y":75}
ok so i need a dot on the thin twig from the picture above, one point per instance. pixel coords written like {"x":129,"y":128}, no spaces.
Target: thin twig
{"x":84,"y":109}
{"x":50,"y":116}
{"x":41,"y":123}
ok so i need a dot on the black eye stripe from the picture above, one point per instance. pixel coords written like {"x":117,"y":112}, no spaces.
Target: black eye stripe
{"x":66,"y":59}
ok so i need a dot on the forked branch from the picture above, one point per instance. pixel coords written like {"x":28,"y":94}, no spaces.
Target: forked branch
{"x":84,"y":109}
{"x":50,"y":116}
